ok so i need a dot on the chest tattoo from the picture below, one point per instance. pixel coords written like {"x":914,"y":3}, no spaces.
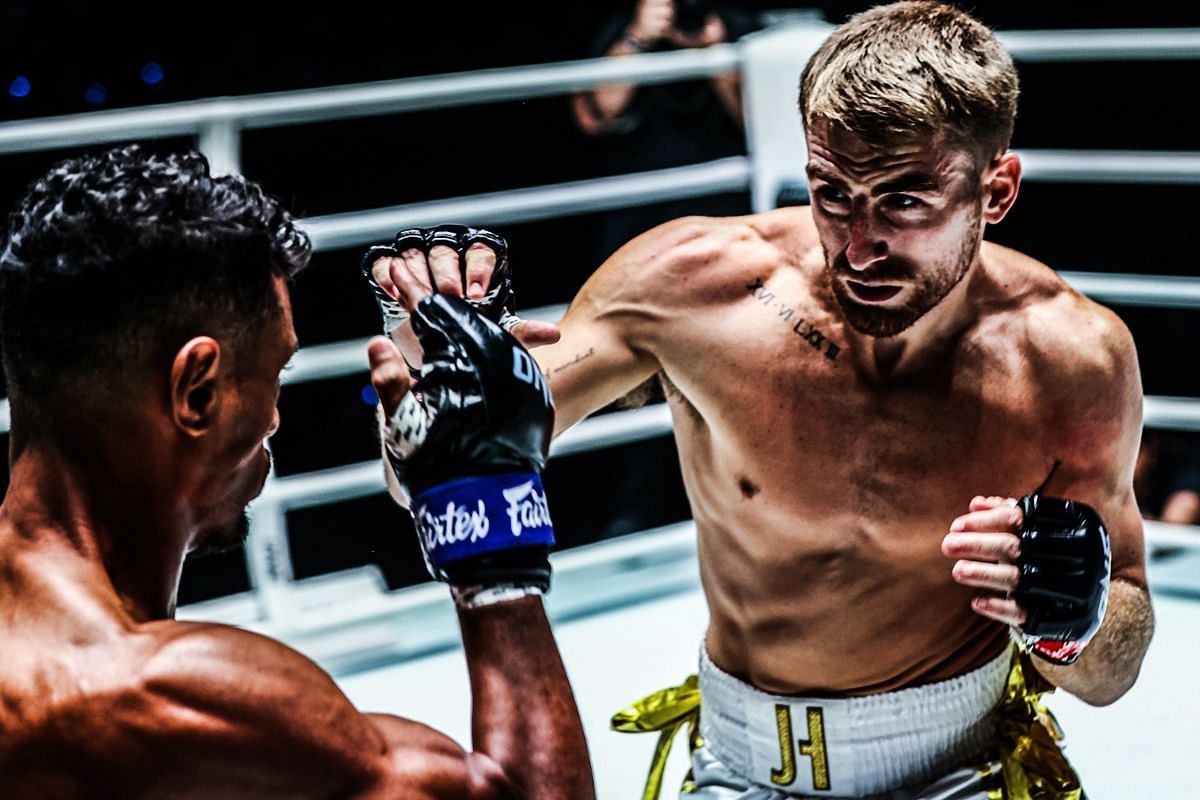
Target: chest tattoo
{"x":806,"y":330}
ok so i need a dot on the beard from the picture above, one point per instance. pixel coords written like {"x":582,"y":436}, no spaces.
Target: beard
{"x":223,"y":539}
{"x":233,"y":528}
{"x":929,"y":286}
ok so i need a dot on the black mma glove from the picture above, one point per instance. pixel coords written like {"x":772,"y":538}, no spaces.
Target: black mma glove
{"x":497,"y":302}
{"x":1065,"y":564}
{"x":469,"y":448}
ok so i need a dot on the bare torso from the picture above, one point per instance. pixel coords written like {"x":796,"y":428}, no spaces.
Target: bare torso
{"x":822,"y":491}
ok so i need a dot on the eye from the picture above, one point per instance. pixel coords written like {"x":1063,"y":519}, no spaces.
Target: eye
{"x":831,"y":197}
{"x":903,"y":201}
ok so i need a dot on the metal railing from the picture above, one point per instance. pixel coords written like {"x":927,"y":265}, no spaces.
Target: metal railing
{"x":218,"y":125}
{"x":535,"y":203}
{"x":201,"y":118}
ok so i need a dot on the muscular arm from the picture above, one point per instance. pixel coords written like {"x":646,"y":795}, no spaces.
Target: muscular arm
{"x":252,"y":718}
{"x":633,"y":314}
{"x":602,"y":353}
{"x":592,"y":365}
{"x":1109,"y":665}
{"x":1096,"y":424}
{"x":1087,"y":398}
{"x":524,"y":715}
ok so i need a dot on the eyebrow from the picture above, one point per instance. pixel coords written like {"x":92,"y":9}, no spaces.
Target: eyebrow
{"x":915,"y":181}
{"x":918,"y":181}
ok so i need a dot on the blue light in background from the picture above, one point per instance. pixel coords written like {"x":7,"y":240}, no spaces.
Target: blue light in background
{"x":96,"y":94}
{"x":368,"y":395}
{"x":152,"y":73}
{"x":20,"y":87}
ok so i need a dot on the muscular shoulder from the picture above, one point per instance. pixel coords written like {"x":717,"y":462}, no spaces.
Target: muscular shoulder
{"x":1071,"y":340}
{"x":218,"y":665}
{"x":220,"y":705}
{"x":1080,"y":356}
{"x":697,"y":260}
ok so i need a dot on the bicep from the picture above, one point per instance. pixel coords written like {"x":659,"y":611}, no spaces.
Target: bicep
{"x":591,"y":365}
{"x":1101,"y":477}
{"x":627,"y":313}
{"x":1097,"y":442}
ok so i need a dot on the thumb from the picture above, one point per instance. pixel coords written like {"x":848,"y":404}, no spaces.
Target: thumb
{"x":535,"y":333}
{"x":389,"y":373}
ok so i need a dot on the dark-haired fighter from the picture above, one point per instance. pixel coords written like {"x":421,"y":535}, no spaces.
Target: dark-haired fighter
{"x":858,"y":390}
{"x":145,"y":319}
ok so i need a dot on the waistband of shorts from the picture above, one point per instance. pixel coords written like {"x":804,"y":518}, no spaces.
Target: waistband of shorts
{"x":853,"y":746}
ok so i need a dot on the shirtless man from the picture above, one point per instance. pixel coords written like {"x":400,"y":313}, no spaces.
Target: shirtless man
{"x":146,"y":318}
{"x":859,"y":390}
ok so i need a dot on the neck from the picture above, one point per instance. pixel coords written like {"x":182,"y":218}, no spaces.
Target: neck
{"x":925,"y":343}
{"x":104,"y":515}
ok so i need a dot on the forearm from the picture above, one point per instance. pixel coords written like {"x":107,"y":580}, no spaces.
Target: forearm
{"x":524,"y":714}
{"x":1109,"y":665}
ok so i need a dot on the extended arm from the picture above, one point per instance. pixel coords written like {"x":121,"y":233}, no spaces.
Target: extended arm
{"x":1091,"y":408}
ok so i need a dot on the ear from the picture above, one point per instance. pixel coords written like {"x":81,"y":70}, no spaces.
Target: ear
{"x":194,"y":372}
{"x":1002,"y":180}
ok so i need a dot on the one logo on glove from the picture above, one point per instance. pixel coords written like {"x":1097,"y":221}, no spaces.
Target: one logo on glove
{"x":453,"y":524}
{"x":526,"y":508}
{"x":477,"y":515}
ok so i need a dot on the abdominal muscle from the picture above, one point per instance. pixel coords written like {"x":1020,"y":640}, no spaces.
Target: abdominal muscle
{"x":819,"y":584}
{"x":841,"y":637}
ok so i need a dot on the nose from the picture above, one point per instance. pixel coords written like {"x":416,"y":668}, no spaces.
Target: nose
{"x":274,"y":425}
{"x":866,"y":245}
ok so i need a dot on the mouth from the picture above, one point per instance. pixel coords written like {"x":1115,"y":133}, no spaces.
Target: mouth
{"x":879,"y":293}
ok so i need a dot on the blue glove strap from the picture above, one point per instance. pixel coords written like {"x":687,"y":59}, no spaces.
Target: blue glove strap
{"x":478,"y":515}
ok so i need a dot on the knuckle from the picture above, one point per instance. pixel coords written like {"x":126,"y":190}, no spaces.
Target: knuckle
{"x":418,"y":266}
{"x":480,"y":256}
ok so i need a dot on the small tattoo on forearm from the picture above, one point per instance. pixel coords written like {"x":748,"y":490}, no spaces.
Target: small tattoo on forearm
{"x":578,"y":358}
{"x":805,"y":330}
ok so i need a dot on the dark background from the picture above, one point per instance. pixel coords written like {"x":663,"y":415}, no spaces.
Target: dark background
{"x":65,"y":50}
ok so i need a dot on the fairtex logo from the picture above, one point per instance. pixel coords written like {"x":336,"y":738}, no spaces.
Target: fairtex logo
{"x":455,"y":524}
{"x":526,"y":508}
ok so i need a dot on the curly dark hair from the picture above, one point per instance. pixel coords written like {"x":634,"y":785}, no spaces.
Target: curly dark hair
{"x":113,"y":261}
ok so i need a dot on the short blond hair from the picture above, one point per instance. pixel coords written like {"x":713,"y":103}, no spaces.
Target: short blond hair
{"x":914,"y":70}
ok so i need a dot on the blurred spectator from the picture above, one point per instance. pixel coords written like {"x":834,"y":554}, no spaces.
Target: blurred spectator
{"x":1166,"y":479}
{"x":667,"y":125}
